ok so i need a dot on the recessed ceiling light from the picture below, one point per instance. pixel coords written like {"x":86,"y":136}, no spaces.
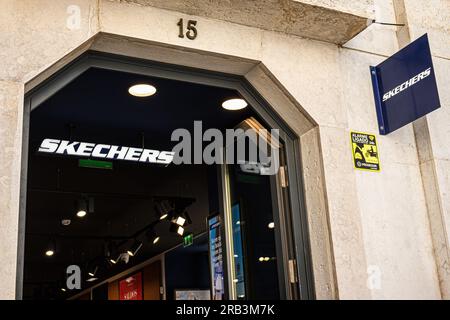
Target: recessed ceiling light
{"x":271,"y":225}
{"x":234,"y":104}
{"x":142,"y":90}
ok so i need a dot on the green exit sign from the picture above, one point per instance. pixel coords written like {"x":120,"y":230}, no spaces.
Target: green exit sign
{"x":188,"y":240}
{"x":96,"y":164}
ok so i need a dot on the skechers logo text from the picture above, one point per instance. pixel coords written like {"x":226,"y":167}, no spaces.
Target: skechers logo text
{"x":105,"y":151}
{"x":406,"y":84}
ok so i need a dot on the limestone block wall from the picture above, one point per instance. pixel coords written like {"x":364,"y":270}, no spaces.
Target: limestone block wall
{"x":34,"y":34}
{"x":377,"y":224}
{"x":393,"y":220}
{"x":433,"y":131}
{"x":434,"y":19}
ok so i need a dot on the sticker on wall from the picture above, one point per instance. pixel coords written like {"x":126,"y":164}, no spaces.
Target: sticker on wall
{"x":365,"y":151}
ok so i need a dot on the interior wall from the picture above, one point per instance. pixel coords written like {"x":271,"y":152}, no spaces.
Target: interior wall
{"x":187,"y":269}
{"x":113,"y":290}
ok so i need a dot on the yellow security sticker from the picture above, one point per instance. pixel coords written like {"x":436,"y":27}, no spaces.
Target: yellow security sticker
{"x":365,"y":151}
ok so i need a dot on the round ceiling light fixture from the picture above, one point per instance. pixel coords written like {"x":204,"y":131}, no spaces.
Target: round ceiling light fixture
{"x":234,"y":104}
{"x":142,"y":90}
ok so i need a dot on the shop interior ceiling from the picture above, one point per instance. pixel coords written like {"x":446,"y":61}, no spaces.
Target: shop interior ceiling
{"x":96,"y":107}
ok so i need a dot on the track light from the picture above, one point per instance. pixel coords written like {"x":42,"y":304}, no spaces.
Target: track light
{"x":81,"y":208}
{"x":163,"y":216}
{"x":188,"y":217}
{"x":112,"y":260}
{"x":51,"y":248}
{"x":176,"y":228}
{"x":134,"y":248}
{"x":61,"y":285}
{"x":183,"y":219}
{"x":152,"y":236}
{"x":180,"y":221}
{"x":159,"y":212}
{"x":163,"y":209}
{"x":85,"y":206}
{"x":124,"y":257}
{"x":111,"y":252}
{"x":93,"y":271}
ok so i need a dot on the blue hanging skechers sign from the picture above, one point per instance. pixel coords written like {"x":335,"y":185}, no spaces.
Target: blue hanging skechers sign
{"x":405,"y":86}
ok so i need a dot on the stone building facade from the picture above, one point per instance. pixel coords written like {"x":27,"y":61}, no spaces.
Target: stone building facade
{"x":379,"y":235}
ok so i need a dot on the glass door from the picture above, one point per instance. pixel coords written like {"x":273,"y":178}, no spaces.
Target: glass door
{"x":259,"y":247}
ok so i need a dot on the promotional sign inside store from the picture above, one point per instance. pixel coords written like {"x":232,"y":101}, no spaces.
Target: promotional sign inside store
{"x":215,"y":257}
{"x":130,"y":288}
{"x":405,"y":86}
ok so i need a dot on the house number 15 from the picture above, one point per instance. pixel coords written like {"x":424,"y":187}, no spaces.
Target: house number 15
{"x":191,"y":32}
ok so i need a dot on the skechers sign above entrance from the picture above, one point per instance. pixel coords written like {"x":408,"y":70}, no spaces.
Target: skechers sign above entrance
{"x":249,"y":144}
{"x":105,"y":151}
{"x":405,"y":86}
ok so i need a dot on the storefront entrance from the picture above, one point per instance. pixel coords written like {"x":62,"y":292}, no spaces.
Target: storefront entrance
{"x":108,"y":199}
